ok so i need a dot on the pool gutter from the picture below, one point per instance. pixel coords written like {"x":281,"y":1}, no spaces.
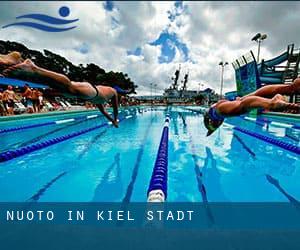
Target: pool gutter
{"x":281,"y":115}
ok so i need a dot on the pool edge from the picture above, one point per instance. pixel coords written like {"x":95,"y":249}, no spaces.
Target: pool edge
{"x":281,"y":115}
{"x":46,"y":114}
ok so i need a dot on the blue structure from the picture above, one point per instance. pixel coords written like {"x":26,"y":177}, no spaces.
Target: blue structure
{"x":246,"y":74}
{"x":231,"y":96}
{"x":17,"y":83}
{"x":250,"y":75}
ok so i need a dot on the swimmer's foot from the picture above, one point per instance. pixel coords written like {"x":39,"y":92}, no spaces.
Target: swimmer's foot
{"x":27,"y":66}
{"x":10,"y":59}
{"x":296,"y":85}
{"x":278,"y":104}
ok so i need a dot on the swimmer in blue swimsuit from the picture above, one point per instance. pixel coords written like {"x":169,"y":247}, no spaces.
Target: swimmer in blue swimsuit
{"x":268,"y":97}
{"x":97,"y":94}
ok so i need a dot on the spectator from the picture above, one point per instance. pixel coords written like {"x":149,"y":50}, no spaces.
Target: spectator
{"x":9,"y":98}
{"x":3,"y":110}
{"x":41,"y":100}
{"x":88,"y":105}
{"x":35,"y":100}
{"x":27,"y":95}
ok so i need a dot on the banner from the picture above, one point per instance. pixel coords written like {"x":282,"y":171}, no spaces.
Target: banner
{"x":247,"y":79}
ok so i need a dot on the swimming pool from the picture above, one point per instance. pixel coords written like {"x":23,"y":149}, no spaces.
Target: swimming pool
{"x":115,"y":165}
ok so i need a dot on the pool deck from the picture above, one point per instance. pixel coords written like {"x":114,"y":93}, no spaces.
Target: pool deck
{"x":45,"y":114}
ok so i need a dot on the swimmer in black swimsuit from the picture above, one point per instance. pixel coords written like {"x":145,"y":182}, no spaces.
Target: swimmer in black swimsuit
{"x":268,"y":97}
{"x":97,"y":94}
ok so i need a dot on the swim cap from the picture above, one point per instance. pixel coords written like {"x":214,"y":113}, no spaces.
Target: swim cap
{"x":211,"y":124}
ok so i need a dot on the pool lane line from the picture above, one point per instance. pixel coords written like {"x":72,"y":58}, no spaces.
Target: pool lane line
{"x":88,"y":145}
{"x":199,"y":177}
{"x":244,"y":145}
{"x":183,"y":119}
{"x":158,"y":186}
{"x":57,"y":122}
{"x":199,"y":174}
{"x":92,"y":141}
{"x":176,"y":131}
{"x":104,"y":178}
{"x":11,"y":154}
{"x":136,"y":167}
{"x":127,"y":197}
{"x":40,"y":192}
{"x":117,"y":161}
{"x":276,"y":184}
{"x":197,"y":167}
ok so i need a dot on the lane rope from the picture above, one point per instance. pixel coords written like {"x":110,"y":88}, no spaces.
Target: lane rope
{"x":157,"y":191}
{"x":11,"y":154}
{"x":285,"y":145}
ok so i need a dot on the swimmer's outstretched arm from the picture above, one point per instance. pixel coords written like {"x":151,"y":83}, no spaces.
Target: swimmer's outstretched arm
{"x":115,"y":105}
{"x":104,"y":112}
{"x":270,"y":91}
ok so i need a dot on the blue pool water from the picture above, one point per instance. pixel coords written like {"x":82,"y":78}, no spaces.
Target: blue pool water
{"x":110,"y":164}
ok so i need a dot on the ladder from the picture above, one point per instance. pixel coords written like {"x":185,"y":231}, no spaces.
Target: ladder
{"x":292,"y":69}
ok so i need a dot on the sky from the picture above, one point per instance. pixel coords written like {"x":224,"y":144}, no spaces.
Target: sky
{"x":148,"y":40}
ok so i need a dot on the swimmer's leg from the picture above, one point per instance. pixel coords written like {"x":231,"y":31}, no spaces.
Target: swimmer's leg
{"x":11,"y":58}
{"x":245,"y":104}
{"x":63,"y":81}
{"x":282,"y":89}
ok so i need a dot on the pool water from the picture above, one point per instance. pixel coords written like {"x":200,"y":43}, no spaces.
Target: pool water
{"x":115,"y":165}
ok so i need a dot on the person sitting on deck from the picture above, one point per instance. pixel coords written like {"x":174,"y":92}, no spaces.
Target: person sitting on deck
{"x":268,"y":97}
{"x":96,"y":94}
{"x":3,"y":109}
{"x":27,"y":96}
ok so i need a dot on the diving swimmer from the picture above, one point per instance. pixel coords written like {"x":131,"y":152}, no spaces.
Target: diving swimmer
{"x":96,"y":94}
{"x":267,"y":97}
